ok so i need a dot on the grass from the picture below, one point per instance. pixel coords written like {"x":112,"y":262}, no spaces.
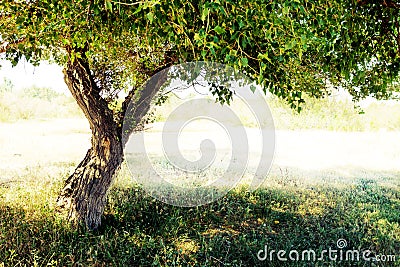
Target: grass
{"x":287,"y":213}
{"x":36,"y":103}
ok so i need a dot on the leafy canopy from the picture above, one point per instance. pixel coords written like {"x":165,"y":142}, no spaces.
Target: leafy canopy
{"x":289,"y":47}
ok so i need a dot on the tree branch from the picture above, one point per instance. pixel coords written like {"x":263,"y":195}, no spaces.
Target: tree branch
{"x":83,"y":88}
{"x":169,"y":60}
{"x":137,"y":104}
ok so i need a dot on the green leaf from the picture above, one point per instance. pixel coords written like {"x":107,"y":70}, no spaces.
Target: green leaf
{"x":244,"y":61}
{"x":204,"y":14}
{"x":66,"y":42}
{"x":218,"y":29}
{"x":290,"y":45}
{"x":150,"y":17}
{"x":96,"y":10}
{"x":138,"y":9}
{"x":241,"y":24}
{"x":109,"y":5}
{"x":265,"y":56}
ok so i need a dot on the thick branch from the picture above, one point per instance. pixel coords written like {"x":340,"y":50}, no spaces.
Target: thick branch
{"x":138,"y":103}
{"x":87,"y":94}
{"x":148,"y":93}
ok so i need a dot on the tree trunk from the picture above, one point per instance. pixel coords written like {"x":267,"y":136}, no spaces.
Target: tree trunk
{"x":85,"y":191}
{"x":84,"y":194}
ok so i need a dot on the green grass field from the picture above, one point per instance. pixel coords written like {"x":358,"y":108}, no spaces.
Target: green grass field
{"x":137,"y":230}
{"x":289,"y":212}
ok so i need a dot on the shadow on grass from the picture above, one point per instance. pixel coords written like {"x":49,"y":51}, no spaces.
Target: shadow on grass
{"x":140,"y":231}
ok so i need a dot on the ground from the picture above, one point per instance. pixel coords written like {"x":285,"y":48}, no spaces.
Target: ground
{"x":314,"y":153}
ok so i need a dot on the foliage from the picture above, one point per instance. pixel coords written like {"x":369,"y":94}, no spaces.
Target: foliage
{"x":140,"y":231}
{"x":291,"y":47}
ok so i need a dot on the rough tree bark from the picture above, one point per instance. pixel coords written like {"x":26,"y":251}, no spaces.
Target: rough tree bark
{"x":85,"y":191}
{"x":84,"y":194}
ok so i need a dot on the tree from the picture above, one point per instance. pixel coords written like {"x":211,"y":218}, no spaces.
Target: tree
{"x":291,"y":48}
